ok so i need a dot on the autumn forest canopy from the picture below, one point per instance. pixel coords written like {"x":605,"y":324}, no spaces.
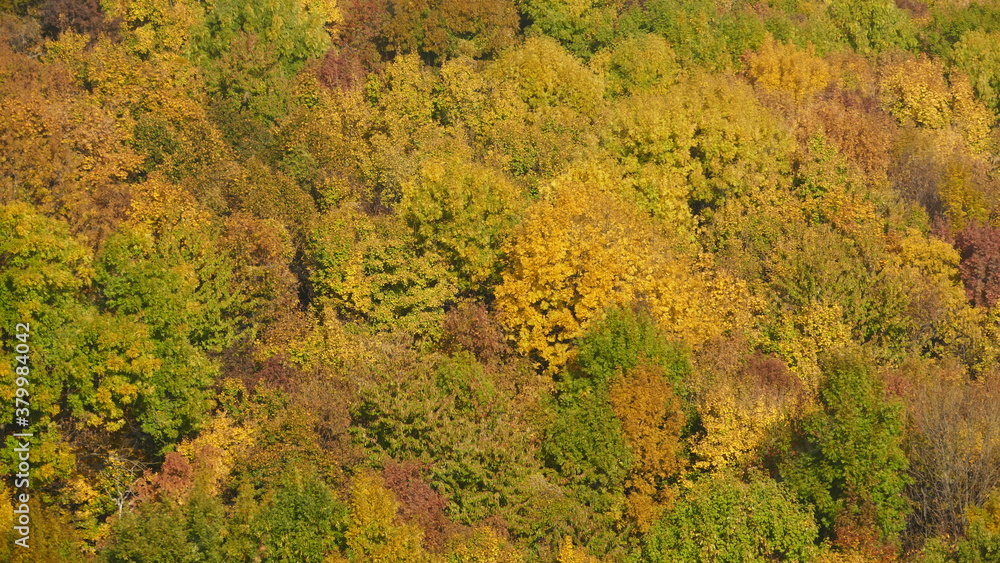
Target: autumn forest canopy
{"x":471,"y":281}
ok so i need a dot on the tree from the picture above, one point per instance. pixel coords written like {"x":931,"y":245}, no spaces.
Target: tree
{"x":164,"y":270}
{"x":372,"y":534}
{"x":953,"y":447}
{"x":637,"y":64}
{"x":651,"y":419}
{"x":721,"y":518}
{"x":583,"y":28}
{"x":582,"y":249}
{"x":871,"y":26}
{"x":848,"y":460}
{"x":441,"y":29}
{"x":469,"y":426}
{"x":704,"y":130}
{"x":787,"y":69}
{"x":368,"y":268}
{"x":463,"y":212}
{"x":616,"y":420}
{"x":301,"y":520}
{"x":979,"y":246}
{"x":169,"y":532}
{"x":67,"y":155}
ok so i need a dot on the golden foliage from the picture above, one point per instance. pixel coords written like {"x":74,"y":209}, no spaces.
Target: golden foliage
{"x":61,"y":151}
{"x":735,"y":426}
{"x":542,"y":74}
{"x":369,"y":269}
{"x":568,"y":553}
{"x":712,"y":135}
{"x":651,"y":418}
{"x":645,"y":62}
{"x":578,"y":251}
{"x":156,"y":27}
{"x":809,"y":332}
{"x":786,"y":68}
{"x":944,"y":323}
{"x":916,"y":90}
{"x":483,"y":545}
{"x":581,"y":249}
{"x":217,"y":448}
{"x":373,"y":535}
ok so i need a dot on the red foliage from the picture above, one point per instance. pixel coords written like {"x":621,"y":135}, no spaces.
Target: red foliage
{"x":916,"y":8}
{"x":82,"y":16}
{"x":174,"y":481}
{"x":856,"y":532}
{"x":358,"y":49}
{"x":238,"y":362}
{"x":769,"y":374}
{"x":471,"y":327}
{"x":419,"y":503}
{"x":980,"y":266}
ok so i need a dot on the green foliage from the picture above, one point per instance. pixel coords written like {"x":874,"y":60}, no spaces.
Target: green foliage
{"x":43,"y":268}
{"x":586,"y":442}
{"x":951,"y":21}
{"x":872,"y":26}
{"x":721,"y":518}
{"x":978,"y":56}
{"x":709,"y":133}
{"x":176,"y":282}
{"x":89,"y":370}
{"x":477,"y":440}
{"x":169,"y":532}
{"x":702,"y":35}
{"x":621,"y":341}
{"x":461,"y":211}
{"x":294,"y":29}
{"x":847,"y":460}
{"x":369,"y":269}
{"x":982,"y":541}
{"x":582,"y":27}
{"x":818,"y":265}
{"x":249,"y":54}
{"x":586,"y":445}
{"x":300,"y":521}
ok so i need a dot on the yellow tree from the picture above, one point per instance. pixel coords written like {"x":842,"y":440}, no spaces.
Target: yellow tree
{"x":373,"y":534}
{"x":785,"y":68}
{"x":61,"y":150}
{"x":651,"y":419}
{"x":581,"y":249}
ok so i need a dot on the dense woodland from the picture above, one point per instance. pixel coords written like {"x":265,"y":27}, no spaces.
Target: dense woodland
{"x":503,"y":280}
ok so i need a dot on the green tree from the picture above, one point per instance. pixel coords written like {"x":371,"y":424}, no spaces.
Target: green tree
{"x":848,"y":460}
{"x":467,"y":424}
{"x":872,"y":26}
{"x":463,"y":212}
{"x":166,"y":531}
{"x":300,"y":520}
{"x":722,"y":519}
